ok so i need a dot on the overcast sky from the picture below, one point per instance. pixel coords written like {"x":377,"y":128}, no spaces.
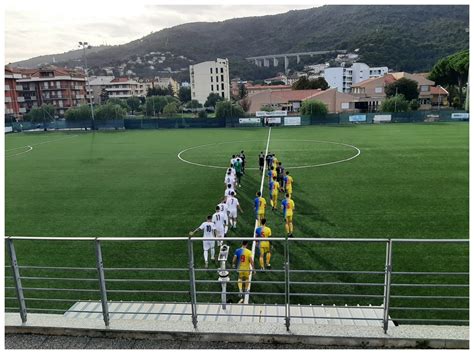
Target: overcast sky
{"x":49,"y":27}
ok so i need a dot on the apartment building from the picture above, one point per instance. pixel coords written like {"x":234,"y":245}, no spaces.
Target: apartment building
{"x":210,"y":77}
{"x":96,"y":86}
{"x":291,"y":100}
{"x":123,"y":87}
{"x":424,"y":87}
{"x":14,"y":100}
{"x":343,"y":78}
{"x":370,"y":93}
{"x":60,"y":87}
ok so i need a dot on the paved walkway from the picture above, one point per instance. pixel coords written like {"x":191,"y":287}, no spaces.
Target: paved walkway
{"x":31,"y":341}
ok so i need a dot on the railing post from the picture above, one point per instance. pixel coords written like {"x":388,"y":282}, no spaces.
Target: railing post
{"x":287,"y":284}
{"x":103,"y":289}
{"x":192,"y":282}
{"x":387,"y":282}
{"x":17,"y":279}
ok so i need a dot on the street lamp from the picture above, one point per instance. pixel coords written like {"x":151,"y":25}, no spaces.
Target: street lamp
{"x":85,"y":45}
{"x":439,"y":95}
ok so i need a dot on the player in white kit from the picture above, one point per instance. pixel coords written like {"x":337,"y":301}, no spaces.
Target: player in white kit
{"x":209,"y":236}
{"x":220,"y":220}
{"x":232,"y":205}
{"x":229,"y":190}
{"x":230,"y":179}
{"x":223,"y":207}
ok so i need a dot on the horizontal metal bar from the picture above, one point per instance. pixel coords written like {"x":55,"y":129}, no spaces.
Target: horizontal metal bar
{"x":336,"y":295}
{"x":308,"y":239}
{"x":339,"y":318}
{"x":240,"y":315}
{"x":426,"y":320}
{"x":236,"y":282}
{"x":333,"y":283}
{"x":336,"y":271}
{"x":48,"y":310}
{"x":57,"y":268}
{"x":430,"y":308}
{"x":11,"y":308}
{"x":62,"y":289}
{"x":150,"y":291}
{"x":236,"y":293}
{"x":108,"y":280}
{"x":369,"y":240}
{"x":151,"y":313}
{"x":48,"y":278}
{"x":11,"y":298}
{"x":432,"y":285}
{"x":58,"y":300}
{"x":430,"y":273}
{"x":146,"y":269}
{"x":427,"y":297}
{"x":425,"y":240}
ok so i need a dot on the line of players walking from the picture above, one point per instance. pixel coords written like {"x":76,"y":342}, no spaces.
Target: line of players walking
{"x":225,"y":217}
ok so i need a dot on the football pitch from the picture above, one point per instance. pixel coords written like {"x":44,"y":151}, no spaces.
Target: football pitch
{"x":350,"y":181}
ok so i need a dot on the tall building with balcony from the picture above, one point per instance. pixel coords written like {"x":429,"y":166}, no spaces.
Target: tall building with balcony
{"x":343,"y":78}
{"x":60,"y":87}
{"x":210,"y":77}
{"x":96,"y":87}
{"x":14,"y":100}
{"x":123,"y":87}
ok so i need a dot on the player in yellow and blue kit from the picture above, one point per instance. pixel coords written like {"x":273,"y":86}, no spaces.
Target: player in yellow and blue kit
{"x":243,"y":262}
{"x":264,"y":232}
{"x":288,"y":183}
{"x":288,"y":206}
{"x":260,"y":205}
{"x":274,"y":189}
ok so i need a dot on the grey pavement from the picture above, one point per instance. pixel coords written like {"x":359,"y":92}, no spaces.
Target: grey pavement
{"x":31,"y":341}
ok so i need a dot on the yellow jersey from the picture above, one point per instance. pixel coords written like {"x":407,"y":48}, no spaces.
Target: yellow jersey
{"x":288,"y":206}
{"x":275,"y":187}
{"x":264,"y":232}
{"x":243,"y":258}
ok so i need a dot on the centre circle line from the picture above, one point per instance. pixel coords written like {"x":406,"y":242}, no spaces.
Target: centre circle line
{"x":358,"y":152}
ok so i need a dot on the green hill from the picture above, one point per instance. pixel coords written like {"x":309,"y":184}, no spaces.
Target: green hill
{"x":409,"y":38}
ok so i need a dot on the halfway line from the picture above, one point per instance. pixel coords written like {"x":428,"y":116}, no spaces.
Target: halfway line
{"x":247,"y":295}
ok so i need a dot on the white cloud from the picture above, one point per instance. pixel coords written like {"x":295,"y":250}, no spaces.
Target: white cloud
{"x":40,"y":28}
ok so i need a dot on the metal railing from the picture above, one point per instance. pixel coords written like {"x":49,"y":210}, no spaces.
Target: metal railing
{"x":290,"y":286}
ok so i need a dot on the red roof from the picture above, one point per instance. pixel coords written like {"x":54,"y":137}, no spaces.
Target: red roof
{"x":120,"y":79}
{"x":267,"y":87}
{"x":295,"y":95}
{"x":387,"y":78}
{"x":438,"y":90}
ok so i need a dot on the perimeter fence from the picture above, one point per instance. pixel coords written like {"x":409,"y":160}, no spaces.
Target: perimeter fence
{"x":182,"y":123}
{"x":415,"y":281}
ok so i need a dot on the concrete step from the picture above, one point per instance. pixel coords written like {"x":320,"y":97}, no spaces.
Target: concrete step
{"x":251,"y":313}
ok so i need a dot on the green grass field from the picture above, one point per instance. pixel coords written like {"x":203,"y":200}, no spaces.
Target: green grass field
{"x":410,"y":181}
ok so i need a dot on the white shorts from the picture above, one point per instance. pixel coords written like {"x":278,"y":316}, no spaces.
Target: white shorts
{"x":233,"y":213}
{"x":207,"y":245}
{"x":220,"y":233}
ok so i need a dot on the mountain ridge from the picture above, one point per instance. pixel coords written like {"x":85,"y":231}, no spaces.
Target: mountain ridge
{"x":402,"y":37}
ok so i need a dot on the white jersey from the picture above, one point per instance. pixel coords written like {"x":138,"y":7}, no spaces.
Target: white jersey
{"x":229,"y":179}
{"x":228,"y":192}
{"x":220,"y":220}
{"x":223,"y":207}
{"x":232,"y":203}
{"x":208,"y":228}
{"x":232,"y":161}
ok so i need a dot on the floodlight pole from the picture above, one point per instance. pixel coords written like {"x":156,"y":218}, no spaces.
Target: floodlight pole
{"x":84,"y":44}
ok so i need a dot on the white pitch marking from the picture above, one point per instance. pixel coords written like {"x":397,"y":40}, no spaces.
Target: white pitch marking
{"x":21,"y":153}
{"x":247,"y":295}
{"x":31,"y":146}
{"x":286,"y":167}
